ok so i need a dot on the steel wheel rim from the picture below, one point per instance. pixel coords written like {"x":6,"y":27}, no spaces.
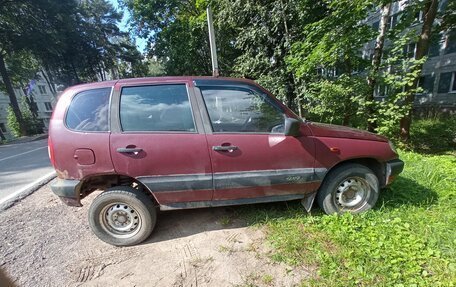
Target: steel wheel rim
{"x":120,"y":220}
{"x":352,"y":193}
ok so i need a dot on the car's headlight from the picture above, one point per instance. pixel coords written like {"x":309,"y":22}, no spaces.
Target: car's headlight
{"x":392,"y":147}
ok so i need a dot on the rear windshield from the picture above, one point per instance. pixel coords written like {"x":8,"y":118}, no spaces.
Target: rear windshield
{"x":89,"y":111}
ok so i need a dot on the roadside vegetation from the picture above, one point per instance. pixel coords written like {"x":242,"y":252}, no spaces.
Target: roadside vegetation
{"x":409,"y":239}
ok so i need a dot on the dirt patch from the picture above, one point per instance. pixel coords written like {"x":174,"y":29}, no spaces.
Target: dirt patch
{"x":45,"y":243}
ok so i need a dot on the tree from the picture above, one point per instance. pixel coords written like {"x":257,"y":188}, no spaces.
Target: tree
{"x":14,"y":20}
{"x":429,"y":10}
{"x":330,"y":48}
{"x":178,"y":37}
{"x":375,"y":66}
{"x":264,"y":34}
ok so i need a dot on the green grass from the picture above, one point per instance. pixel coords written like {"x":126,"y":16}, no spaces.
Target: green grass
{"x":437,"y":135}
{"x":409,"y":239}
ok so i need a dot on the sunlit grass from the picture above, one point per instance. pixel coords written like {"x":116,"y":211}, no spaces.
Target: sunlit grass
{"x":409,"y":239}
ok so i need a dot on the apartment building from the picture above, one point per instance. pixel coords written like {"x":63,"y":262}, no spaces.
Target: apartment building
{"x":438,"y":77}
{"x":43,"y":97}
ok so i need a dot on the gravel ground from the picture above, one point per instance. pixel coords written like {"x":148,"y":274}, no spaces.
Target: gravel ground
{"x":46,"y":243}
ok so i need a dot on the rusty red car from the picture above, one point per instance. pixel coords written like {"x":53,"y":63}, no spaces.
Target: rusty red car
{"x":189,"y":142}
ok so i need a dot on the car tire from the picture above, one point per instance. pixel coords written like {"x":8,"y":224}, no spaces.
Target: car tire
{"x":122,"y":216}
{"x":350,"y":188}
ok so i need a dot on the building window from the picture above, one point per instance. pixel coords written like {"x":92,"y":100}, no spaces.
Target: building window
{"x":453,"y":83}
{"x":2,"y":128}
{"x":409,"y":50}
{"x":450,"y":46}
{"x":426,"y":82}
{"x":393,"y":20}
{"x":434,"y":45}
{"x":381,"y":91}
{"x":447,"y":82}
{"x":42,"y":89}
{"x":419,"y":16}
{"x":48,"y":106}
{"x":376,"y":26}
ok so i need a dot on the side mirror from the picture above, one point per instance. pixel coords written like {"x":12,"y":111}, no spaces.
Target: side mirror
{"x":292,"y":127}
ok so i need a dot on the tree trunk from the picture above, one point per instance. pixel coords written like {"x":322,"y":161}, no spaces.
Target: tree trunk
{"x":75,"y":74}
{"x":2,"y":137}
{"x":51,"y":88}
{"x":291,"y":82}
{"x":376,"y":60}
{"x":12,"y":96}
{"x":429,"y":11}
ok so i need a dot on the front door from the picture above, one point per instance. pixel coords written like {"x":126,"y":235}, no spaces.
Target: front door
{"x":252,"y":159}
{"x":158,"y":141}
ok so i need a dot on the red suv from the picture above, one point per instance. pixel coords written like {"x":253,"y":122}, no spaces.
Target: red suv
{"x":190,"y":142}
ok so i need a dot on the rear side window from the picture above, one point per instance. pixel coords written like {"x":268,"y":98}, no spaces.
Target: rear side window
{"x":156,"y":109}
{"x":89,"y":111}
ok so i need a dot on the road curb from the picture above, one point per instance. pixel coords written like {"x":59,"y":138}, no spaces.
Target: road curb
{"x":26,"y":191}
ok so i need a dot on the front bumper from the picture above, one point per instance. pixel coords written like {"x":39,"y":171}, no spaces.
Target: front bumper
{"x":68,"y":191}
{"x":393,"y":169}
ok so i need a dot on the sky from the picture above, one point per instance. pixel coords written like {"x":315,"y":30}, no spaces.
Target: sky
{"x":140,"y":42}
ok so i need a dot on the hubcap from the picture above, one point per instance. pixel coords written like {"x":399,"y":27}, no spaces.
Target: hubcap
{"x":120,"y":219}
{"x":352,"y":193}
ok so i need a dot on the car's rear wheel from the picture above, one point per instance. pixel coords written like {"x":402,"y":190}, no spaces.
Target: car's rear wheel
{"x":122,"y":216}
{"x":350,"y":188}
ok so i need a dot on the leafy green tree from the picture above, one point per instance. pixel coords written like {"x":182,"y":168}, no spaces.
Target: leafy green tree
{"x":264,"y":33}
{"x":429,"y":10}
{"x":178,"y":37}
{"x":330,"y":49}
{"x":373,"y":72}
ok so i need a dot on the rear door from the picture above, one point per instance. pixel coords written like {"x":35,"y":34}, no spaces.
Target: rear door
{"x":252,"y":159}
{"x":158,"y":139}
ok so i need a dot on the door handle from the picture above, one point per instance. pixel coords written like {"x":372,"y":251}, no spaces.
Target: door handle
{"x":229,"y":148}
{"x":129,"y":150}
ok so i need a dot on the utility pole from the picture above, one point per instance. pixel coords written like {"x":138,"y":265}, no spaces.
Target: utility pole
{"x":215,"y":68}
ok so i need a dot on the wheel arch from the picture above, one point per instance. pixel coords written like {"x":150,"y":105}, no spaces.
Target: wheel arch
{"x":375,"y":165}
{"x":104,"y":181}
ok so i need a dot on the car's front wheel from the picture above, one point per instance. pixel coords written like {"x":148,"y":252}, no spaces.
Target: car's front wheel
{"x":122,"y":216}
{"x":350,"y":188}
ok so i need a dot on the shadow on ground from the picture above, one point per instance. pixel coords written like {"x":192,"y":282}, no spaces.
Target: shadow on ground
{"x":406,"y":192}
{"x":183,"y":223}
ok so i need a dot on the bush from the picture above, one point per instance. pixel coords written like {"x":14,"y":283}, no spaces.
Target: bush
{"x":437,"y":135}
{"x":32,"y":123}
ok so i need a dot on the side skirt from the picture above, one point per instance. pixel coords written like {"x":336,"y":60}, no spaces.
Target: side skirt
{"x":201,"y":204}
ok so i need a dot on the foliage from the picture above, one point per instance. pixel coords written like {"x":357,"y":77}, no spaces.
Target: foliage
{"x":434,"y":135}
{"x":22,"y":67}
{"x":407,"y":240}
{"x":329,"y":49}
{"x":12,"y":123}
{"x":178,"y":31}
{"x":398,"y":74}
{"x":34,"y":125}
{"x":265,"y":31}
{"x":334,"y":101}
{"x":333,"y":41}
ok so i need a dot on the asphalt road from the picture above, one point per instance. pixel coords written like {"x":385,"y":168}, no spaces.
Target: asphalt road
{"x":21,"y":166}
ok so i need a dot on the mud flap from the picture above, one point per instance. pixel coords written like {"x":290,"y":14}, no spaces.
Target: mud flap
{"x":307,"y":201}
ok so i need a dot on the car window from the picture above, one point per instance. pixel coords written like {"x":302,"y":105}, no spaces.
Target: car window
{"x":89,"y":111}
{"x":241,"y":110}
{"x":156,"y":108}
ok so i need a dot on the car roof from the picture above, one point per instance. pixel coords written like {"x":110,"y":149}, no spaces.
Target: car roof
{"x":198,"y":80}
